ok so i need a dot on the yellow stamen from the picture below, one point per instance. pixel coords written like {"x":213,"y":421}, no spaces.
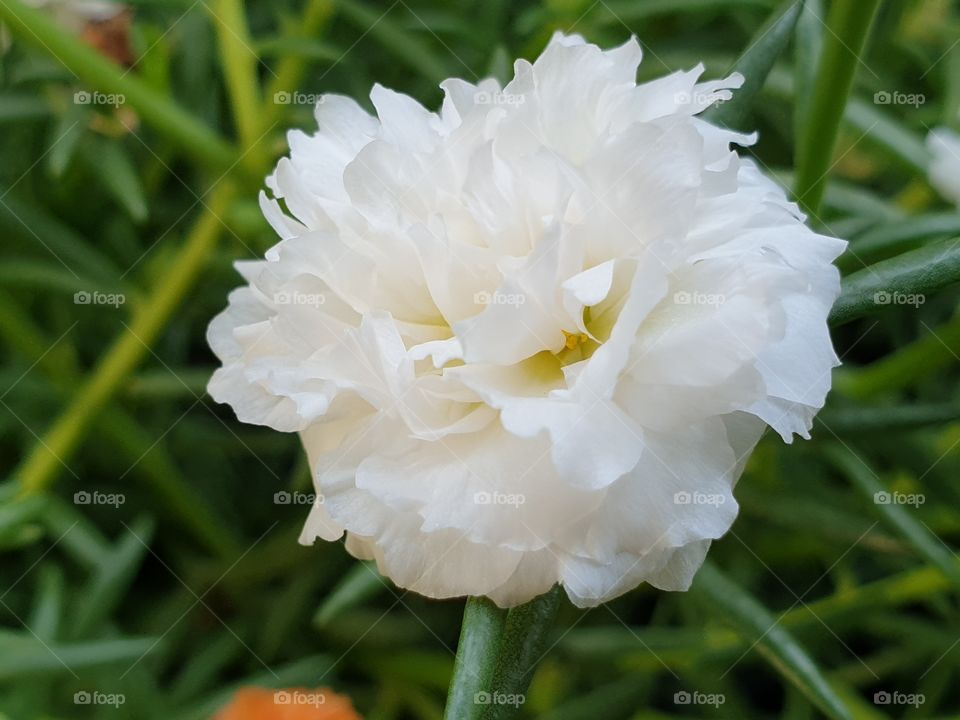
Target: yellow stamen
{"x":574,"y":339}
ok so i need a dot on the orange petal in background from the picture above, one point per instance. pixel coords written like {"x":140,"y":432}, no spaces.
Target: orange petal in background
{"x":252,"y":703}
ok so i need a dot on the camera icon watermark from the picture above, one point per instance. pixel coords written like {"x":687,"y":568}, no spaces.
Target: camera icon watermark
{"x":685,"y":297}
{"x":287,"y":297}
{"x":95,"y":697}
{"x":284,"y":497}
{"x":499,"y":698}
{"x":885,"y":697}
{"x":899,"y":298}
{"x":499,"y":298}
{"x":895,"y":97}
{"x":86,"y":497}
{"x":498,"y":498}
{"x":685,"y":497}
{"x":884,"y":497}
{"x":95,"y":297}
{"x":284,"y":97}
{"x":299,"y":697}
{"x":95,"y":97}
{"x":498,"y":98}
{"x":684,"y":697}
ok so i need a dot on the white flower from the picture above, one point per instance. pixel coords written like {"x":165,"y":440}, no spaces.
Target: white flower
{"x":944,"y":147}
{"x":557,"y":317}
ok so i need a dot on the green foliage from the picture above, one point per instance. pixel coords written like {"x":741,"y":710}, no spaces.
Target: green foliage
{"x":143,"y":551}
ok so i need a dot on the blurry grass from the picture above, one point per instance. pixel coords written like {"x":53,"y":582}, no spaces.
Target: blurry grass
{"x":195,"y":584}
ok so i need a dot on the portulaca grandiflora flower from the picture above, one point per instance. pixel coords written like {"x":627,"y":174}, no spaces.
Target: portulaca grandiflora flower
{"x":531,"y":338}
{"x":944,"y":171}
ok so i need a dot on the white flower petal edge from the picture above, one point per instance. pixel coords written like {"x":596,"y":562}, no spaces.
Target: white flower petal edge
{"x":944,"y":147}
{"x":531,"y":338}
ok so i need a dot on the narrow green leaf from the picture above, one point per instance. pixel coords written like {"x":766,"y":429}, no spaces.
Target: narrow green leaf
{"x":38,"y":231}
{"x":23,"y":656}
{"x":111,"y":165}
{"x":881,"y":129}
{"x":74,"y":533}
{"x":480,"y":640}
{"x":47,"y":611}
{"x":361,"y":583}
{"x":869,"y":419}
{"x":284,"y":46}
{"x":891,"y":238}
{"x":65,"y":137}
{"x":21,"y":107}
{"x":755,"y":64}
{"x":754,"y":622}
{"x":920,"y":272}
{"x":808,"y":46}
{"x":115,"y":571}
{"x":610,"y":701}
{"x":896,"y":514}
{"x":630,"y":11}
{"x":848,"y":25}
{"x":174,"y":493}
{"x":14,"y":514}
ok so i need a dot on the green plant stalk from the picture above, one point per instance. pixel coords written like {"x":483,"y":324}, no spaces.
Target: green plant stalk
{"x":524,"y":639}
{"x":291,"y":70}
{"x":240,"y":71}
{"x":43,"y":463}
{"x":848,"y":26}
{"x":919,"y":272}
{"x":480,"y":640}
{"x":100,"y":74}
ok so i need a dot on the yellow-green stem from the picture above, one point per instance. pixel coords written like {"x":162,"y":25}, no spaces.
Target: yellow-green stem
{"x":43,"y":463}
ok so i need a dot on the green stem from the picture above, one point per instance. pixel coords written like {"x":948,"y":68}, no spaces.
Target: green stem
{"x":524,"y":643}
{"x":43,"y":463}
{"x":848,"y":27}
{"x":240,"y":70}
{"x":291,"y":69}
{"x":101,"y":74}
{"x":477,"y":651}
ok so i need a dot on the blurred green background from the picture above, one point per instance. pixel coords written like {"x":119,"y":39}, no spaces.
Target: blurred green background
{"x":145,"y":552}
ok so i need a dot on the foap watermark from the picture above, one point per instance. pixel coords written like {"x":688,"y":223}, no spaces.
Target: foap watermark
{"x":883,"y":497}
{"x":885,"y":697}
{"x":700,"y":98}
{"x":86,"y":97}
{"x":499,"y":498}
{"x":498,"y":98}
{"x":288,"y":297}
{"x":296,"y":98}
{"x":685,"y":297}
{"x":95,"y":697}
{"x":895,"y":97}
{"x":95,"y":297}
{"x":499,"y":698}
{"x":499,"y":298}
{"x":296,"y":497}
{"x":299,"y":697}
{"x":95,"y":497}
{"x":684,"y":697}
{"x":899,"y":298}
{"x":698,"y":498}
